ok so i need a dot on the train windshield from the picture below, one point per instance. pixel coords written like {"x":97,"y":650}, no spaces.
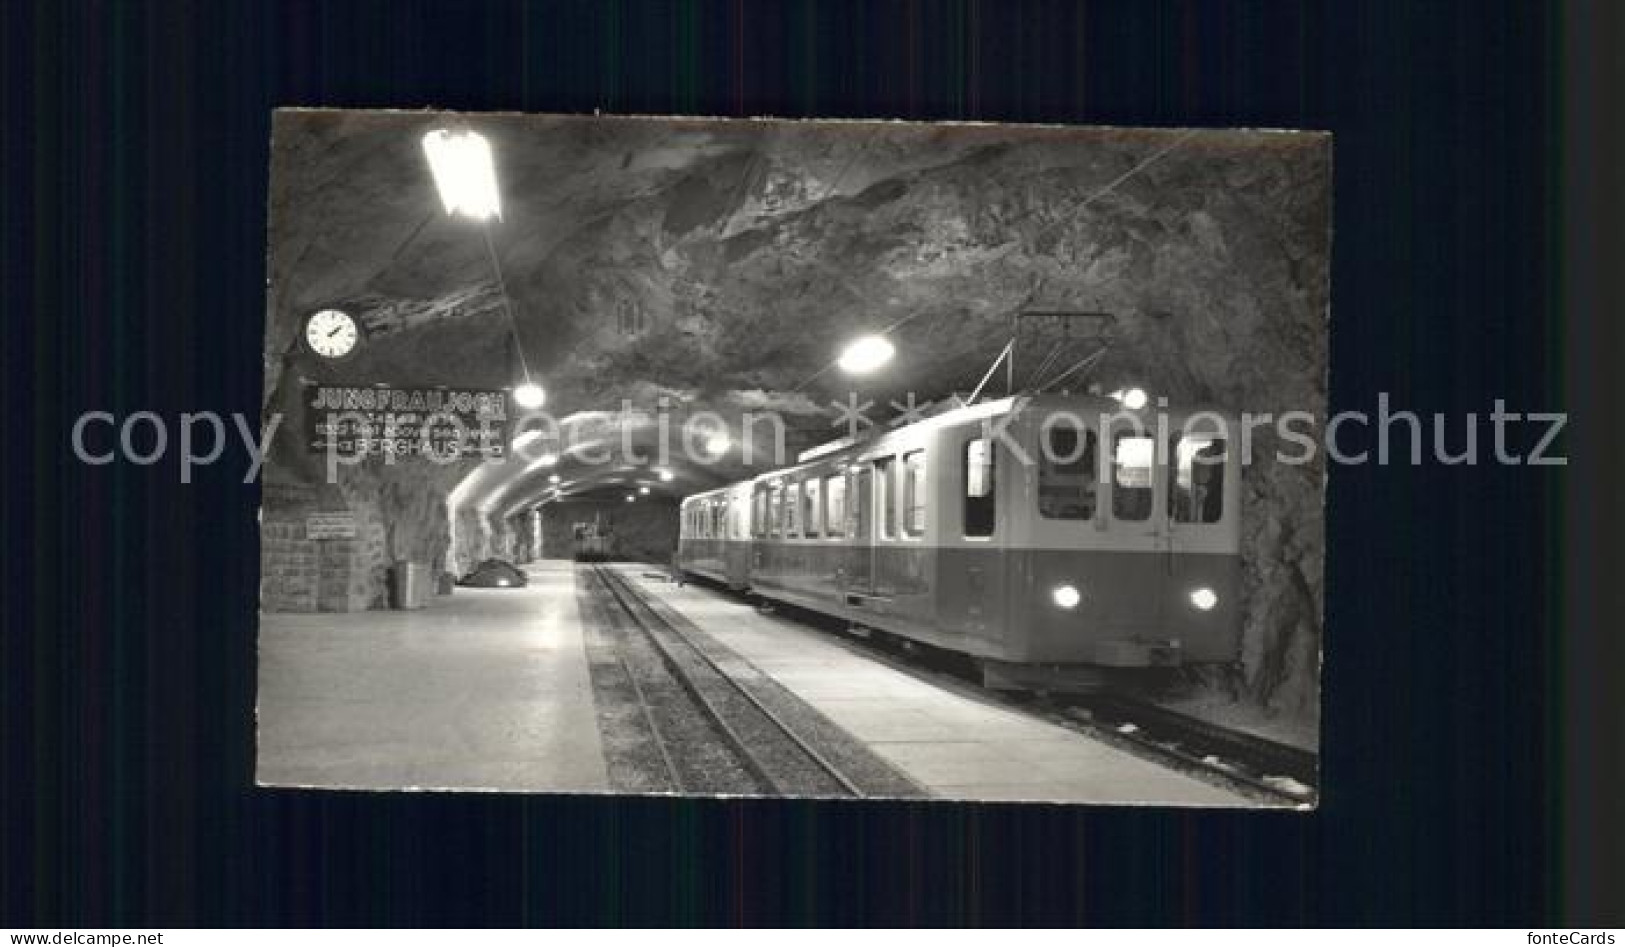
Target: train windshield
{"x":1196,"y":487}
{"x":1067,"y":474}
{"x":1133,"y":456}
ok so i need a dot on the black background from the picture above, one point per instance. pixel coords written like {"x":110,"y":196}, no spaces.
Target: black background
{"x":133,"y":199}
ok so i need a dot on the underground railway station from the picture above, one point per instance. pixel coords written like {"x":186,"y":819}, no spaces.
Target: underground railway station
{"x":805,"y":459}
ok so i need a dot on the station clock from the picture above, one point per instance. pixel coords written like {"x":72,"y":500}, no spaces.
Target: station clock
{"x":332,"y":333}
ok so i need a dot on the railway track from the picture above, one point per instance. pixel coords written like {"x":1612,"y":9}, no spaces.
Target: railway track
{"x":777,"y":758}
{"x":1267,"y":769}
{"x":1267,"y":766}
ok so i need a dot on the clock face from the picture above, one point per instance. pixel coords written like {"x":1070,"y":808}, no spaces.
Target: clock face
{"x":331,"y":333}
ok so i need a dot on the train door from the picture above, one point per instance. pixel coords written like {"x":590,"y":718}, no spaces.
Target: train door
{"x":1138,"y":527}
{"x":861,"y":569}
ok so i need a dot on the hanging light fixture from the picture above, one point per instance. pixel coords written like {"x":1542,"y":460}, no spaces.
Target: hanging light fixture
{"x":866,"y":354}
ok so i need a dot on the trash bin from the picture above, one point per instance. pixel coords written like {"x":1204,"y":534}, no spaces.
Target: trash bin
{"x":409,"y":585}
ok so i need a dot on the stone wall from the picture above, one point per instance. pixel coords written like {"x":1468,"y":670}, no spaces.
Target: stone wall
{"x":288,"y":561}
{"x":301,"y":574}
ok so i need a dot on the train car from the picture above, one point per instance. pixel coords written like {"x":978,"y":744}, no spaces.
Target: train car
{"x":1043,"y":536}
{"x":593,"y":542}
{"x":714,"y":536}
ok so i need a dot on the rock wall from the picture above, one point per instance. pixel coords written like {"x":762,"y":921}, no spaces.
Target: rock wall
{"x":400,"y":515}
{"x":471,"y":540}
{"x":645,"y":531}
{"x":711,"y":260}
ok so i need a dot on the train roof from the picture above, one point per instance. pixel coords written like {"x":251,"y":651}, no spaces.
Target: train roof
{"x":1082,"y":404}
{"x":950,"y":415}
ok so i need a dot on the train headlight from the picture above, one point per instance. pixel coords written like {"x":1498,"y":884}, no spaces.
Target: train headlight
{"x":1066,"y":596}
{"x":1204,"y":598}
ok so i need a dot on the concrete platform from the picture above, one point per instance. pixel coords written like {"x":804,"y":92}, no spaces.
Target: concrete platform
{"x":490,"y":690}
{"x":487,"y":689}
{"x":955,"y":744}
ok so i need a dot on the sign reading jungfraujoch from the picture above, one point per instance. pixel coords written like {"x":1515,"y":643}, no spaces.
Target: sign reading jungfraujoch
{"x":436,"y":423}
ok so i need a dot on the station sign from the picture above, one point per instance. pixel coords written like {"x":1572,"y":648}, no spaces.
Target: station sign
{"x":336,"y":525}
{"x":377,"y":421}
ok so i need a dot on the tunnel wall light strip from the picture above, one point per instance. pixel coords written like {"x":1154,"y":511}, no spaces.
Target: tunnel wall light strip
{"x":464,"y":173}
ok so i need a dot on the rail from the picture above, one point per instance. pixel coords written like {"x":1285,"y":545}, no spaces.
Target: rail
{"x":657,"y":630}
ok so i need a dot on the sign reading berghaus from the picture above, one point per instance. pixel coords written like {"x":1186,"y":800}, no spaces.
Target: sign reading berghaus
{"x":437,"y":423}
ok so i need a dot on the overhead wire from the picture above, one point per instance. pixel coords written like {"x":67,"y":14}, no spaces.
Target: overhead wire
{"x":1065,"y":216}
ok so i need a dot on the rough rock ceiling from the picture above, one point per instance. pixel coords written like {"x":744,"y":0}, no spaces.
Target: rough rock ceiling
{"x":722,"y":264}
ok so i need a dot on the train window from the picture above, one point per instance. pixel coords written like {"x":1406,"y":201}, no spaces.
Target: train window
{"x":792,"y":509}
{"x":1132,"y":458}
{"x":980,"y":496}
{"x":914,"y":493}
{"x":886,"y":497}
{"x":775,"y":510}
{"x":758,"y":522}
{"x":835,"y":497}
{"x":812,"y":515}
{"x":1196,"y":489}
{"x":718,"y":512}
{"x":1067,"y":474}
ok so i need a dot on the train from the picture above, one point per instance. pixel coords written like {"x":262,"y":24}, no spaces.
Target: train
{"x":592,"y":542}
{"x":1005,"y":532}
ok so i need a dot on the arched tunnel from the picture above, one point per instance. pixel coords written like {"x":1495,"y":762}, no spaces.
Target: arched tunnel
{"x":650,"y":272}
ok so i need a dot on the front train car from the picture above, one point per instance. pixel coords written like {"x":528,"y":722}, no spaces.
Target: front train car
{"x":1120,"y":537}
{"x":1047,"y":537}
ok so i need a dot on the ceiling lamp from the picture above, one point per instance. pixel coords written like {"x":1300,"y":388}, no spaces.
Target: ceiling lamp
{"x":1131,"y":398}
{"x":866,"y":354}
{"x":529,"y":395}
{"x":461,"y":162}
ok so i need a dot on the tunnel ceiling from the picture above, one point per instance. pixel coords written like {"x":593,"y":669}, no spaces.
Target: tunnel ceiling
{"x":722,"y":264}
